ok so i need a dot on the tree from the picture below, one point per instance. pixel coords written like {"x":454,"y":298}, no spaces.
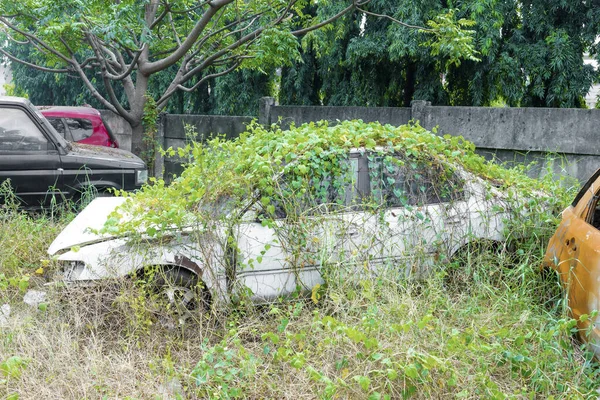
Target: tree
{"x":156,"y":48}
{"x":124,"y":43}
{"x":528,"y":53}
{"x":236,"y":93}
{"x":532,"y":54}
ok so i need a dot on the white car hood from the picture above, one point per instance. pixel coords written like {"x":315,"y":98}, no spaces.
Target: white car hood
{"x":78,"y":232}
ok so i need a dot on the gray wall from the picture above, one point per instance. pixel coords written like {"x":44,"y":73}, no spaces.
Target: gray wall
{"x":566,"y":138}
{"x":514,"y":135}
{"x":172,"y":133}
{"x":288,"y":114}
{"x":119,"y":127}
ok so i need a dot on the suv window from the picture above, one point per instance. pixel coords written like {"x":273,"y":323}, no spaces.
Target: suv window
{"x":18,"y":133}
{"x":80,"y":128}
{"x":397,"y":180}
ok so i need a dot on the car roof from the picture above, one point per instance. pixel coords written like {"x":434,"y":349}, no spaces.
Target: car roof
{"x":69,"y":111}
{"x":14,"y":100}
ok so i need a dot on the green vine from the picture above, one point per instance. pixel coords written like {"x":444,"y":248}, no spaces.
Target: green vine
{"x":150,"y":124}
{"x":224,"y":175}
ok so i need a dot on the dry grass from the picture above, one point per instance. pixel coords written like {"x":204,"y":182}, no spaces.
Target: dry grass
{"x":368,"y":339}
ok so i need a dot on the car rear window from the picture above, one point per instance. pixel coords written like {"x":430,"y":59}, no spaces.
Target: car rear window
{"x":58,"y":125}
{"x":80,"y":128}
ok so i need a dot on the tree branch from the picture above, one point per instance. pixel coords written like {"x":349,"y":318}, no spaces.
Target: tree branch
{"x":421,"y":28}
{"x":131,"y":67}
{"x":148,"y":68}
{"x":38,"y":67}
{"x":327,"y":21}
{"x":93,"y":90}
{"x":36,"y":39}
{"x":160,"y":17}
{"x":202,"y":4}
{"x":174,"y":30}
{"x":210,"y":76}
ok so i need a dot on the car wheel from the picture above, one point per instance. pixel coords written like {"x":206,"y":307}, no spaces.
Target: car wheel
{"x":177,"y":294}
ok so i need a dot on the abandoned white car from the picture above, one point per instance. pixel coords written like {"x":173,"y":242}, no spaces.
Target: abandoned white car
{"x":334,"y":210}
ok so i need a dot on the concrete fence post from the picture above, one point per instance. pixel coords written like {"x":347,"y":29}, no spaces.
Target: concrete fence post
{"x":264,"y":110}
{"x":159,"y":159}
{"x":418,"y":110}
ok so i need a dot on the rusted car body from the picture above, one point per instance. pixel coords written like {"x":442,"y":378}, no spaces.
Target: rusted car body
{"x":574,"y":252}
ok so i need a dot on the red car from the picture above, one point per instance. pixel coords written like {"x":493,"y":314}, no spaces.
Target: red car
{"x":80,"y":124}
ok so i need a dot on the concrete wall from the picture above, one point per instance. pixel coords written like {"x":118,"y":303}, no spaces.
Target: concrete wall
{"x":523,"y":135}
{"x":570,"y":137}
{"x":172,"y":133}
{"x":118,"y":126}
{"x":288,"y":114}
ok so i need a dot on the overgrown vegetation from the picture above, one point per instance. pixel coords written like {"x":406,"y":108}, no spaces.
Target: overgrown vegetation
{"x":482,"y":325}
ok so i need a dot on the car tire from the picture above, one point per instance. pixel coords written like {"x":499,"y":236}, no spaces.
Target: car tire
{"x":181,"y":295}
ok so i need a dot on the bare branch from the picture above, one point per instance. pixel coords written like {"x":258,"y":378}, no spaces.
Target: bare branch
{"x":327,"y":21}
{"x":421,"y":28}
{"x":210,"y":76}
{"x":202,"y":4}
{"x":160,"y":17}
{"x":12,"y":39}
{"x":93,"y":90}
{"x":36,"y":39}
{"x":211,"y":33}
{"x":151,"y":67}
{"x":39,"y":68}
{"x":129,"y":69}
{"x":174,"y":30}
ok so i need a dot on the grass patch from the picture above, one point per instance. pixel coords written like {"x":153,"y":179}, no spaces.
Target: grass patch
{"x":501,"y":333}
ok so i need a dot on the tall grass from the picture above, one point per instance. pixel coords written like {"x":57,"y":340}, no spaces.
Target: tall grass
{"x":486,"y":324}
{"x":492,"y":328}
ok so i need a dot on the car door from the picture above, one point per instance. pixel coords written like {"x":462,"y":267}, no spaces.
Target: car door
{"x":28,"y":158}
{"x":423,"y":211}
{"x":573,"y":250}
{"x":328,"y":229}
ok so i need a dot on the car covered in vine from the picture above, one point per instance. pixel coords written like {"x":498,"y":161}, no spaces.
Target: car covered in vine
{"x":276,"y":212}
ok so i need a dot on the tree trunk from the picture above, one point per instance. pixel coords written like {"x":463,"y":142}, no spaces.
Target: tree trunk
{"x":137,"y":139}
{"x":409,"y":86}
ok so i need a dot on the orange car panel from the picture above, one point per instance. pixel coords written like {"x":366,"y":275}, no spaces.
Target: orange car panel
{"x":574,"y":251}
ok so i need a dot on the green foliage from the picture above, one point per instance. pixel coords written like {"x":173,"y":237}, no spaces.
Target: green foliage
{"x":224,"y":175}
{"x":529,"y":53}
{"x":451,"y":39}
{"x":13,"y":367}
{"x":225,"y":371}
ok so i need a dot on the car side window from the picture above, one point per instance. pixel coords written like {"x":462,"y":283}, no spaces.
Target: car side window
{"x":593,"y":213}
{"x":338,"y":190}
{"x":19,"y":134}
{"x":398,"y":181}
{"x":58,"y":124}
{"x":80,"y":128}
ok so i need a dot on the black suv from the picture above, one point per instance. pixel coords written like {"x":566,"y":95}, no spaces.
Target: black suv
{"x":41,"y":164}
